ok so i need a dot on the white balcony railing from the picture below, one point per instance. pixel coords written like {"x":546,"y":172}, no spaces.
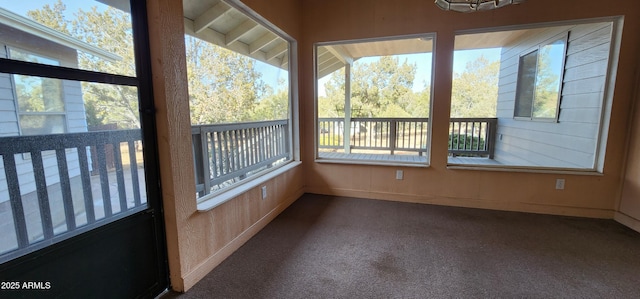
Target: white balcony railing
{"x":228,"y":153}
{"x":467,"y":136}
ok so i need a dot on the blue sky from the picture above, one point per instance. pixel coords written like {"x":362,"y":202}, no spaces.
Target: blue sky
{"x":271,"y":74}
{"x":423,"y":63}
{"x":22,"y":6}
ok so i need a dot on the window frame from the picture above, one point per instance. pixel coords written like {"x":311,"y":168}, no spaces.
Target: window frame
{"x":19,"y":113}
{"x":218,"y":197}
{"x":564,"y":37}
{"x":428,"y":149}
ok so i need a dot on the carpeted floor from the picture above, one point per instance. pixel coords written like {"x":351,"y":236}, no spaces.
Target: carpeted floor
{"x":337,"y":247}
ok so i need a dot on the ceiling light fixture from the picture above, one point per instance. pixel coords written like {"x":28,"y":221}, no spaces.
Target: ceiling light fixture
{"x":474,"y":5}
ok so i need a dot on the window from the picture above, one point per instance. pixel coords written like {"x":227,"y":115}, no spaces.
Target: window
{"x":532,"y":98}
{"x":239,"y":97}
{"x":539,"y":81}
{"x":373,"y":100}
{"x":41,"y":107}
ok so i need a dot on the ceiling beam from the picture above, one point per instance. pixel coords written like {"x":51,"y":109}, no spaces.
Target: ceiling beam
{"x":262,"y":42}
{"x":236,"y":33}
{"x":277,"y":50}
{"x":338,"y":52}
{"x":211,"y":15}
{"x":218,"y":39}
{"x":330,"y":68}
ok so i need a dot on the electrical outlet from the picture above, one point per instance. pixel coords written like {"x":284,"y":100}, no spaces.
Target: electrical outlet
{"x":264,"y":192}
{"x":399,"y":174}
{"x":560,"y":184}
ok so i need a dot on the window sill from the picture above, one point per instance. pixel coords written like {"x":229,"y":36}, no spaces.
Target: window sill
{"x":215,"y":199}
{"x":371,"y":162}
{"x":587,"y":172}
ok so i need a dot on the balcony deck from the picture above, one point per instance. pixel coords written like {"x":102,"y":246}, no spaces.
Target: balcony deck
{"x":374,"y":157}
{"x":386,"y":158}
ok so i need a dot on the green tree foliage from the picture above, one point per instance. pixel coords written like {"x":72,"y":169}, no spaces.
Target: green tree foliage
{"x":108,"y":29}
{"x":52,"y":17}
{"x":380,"y":88}
{"x":274,"y":106}
{"x":475,"y":91}
{"x":224,"y":86}
{"x":547,"y":86}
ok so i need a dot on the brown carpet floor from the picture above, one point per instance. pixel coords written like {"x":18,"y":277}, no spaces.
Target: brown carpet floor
{"x":337,"y":247}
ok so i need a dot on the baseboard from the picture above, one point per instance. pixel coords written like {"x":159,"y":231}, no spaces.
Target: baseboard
{"x":628,"y":221}
{"x":470,"y":203}
{"x":191,"y":278}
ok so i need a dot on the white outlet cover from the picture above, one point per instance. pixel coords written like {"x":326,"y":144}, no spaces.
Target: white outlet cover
{"x":399,"y":174}
{"x":560,"y":184}
{"x":264,"y":192}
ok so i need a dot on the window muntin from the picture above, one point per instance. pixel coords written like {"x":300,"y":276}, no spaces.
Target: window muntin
{"x":539,"y":81}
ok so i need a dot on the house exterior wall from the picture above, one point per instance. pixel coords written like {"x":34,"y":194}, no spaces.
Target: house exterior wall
{"x":9,"y":126}
{"x":571,"y":141}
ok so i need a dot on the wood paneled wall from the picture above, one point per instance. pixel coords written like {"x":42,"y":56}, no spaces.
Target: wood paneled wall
{"x":584,"y":195}
{"x":197,"y":241}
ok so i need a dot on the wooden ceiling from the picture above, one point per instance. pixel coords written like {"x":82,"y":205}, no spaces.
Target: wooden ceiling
{"x":219,"y":23}
{"x":222,"y":24}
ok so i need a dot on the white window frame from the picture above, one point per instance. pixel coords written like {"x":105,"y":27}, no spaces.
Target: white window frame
{"x":63,"y":113}
{"x":617,"y":23}
{"x":427,"y":152}
{"x":215,"y":199}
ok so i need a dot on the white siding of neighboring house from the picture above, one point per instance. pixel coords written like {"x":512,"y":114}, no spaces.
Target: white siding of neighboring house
{"x":572,"y":141}
{"x":75,"y":117}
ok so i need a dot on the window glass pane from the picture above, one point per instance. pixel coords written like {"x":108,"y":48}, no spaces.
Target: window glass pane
{"x":526,"y":84}
{"x":42,"y":124}
{"x":22,"y":55}
{"x":550,"y":67}
{"x":374,"y":100}
{"x":99,"y":139}
{"x":519,"y":74}
{"x":239,"y":98}
{"x":88,"y":35}
{"x":36,"y":94}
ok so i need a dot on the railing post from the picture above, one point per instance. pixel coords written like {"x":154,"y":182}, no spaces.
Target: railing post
{"x":200,"y":160}
{"x":347,"y":109}
{"x":392,"y":135}
{"x":491,"y":140}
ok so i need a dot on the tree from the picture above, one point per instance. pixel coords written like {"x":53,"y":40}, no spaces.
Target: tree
{"x":475,"y":91}
{"x":224,"y":86}
{"x":380,"y":88}
{"x":52,"y":17}
{"x":108,"y":29}
{"x":547,"y":82}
